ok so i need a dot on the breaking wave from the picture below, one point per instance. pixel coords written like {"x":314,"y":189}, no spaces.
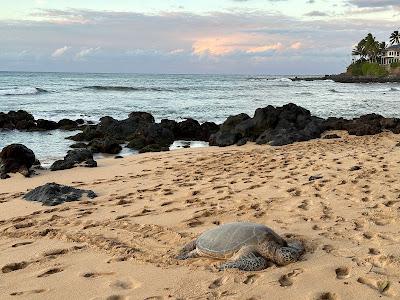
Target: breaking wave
{"x":20,"y":91}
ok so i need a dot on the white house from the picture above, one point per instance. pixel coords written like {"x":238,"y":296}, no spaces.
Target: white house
{"x":391,"y":55}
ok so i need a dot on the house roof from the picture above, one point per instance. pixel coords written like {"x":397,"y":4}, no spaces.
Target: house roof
{"x":394,"y":47}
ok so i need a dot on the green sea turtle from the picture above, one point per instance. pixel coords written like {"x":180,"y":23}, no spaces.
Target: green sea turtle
{"x":246,"y":246}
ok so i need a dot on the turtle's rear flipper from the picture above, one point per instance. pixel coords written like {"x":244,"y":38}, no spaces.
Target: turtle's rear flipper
{"x":249,"y":262}
{"x":188,"y":251}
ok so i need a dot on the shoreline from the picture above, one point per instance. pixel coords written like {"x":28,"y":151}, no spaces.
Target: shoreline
{"x":123,"y":243}
{"x":343,"y":78}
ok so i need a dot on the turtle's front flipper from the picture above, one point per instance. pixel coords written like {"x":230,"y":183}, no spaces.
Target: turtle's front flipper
{"x":248,"y":262}
{"x":189,"y":251}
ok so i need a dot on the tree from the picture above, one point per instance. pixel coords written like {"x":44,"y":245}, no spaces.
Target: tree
{"x":395,"y":38}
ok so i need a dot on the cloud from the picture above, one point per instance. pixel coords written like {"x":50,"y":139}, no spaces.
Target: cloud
{"x":374,"y":3}
{"x":182,"y":42}
{"x":316,"y":13}
{"x":60,"y":51}
{"x":86,"y":52}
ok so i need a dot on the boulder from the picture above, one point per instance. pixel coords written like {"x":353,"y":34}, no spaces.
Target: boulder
{"x":275,"y":126}
{"x":52,"y":194}
{"x":107,"y":145}
{"x":189,"y":129}
{"x":16,"y":158}
{"x":46,"y":125}
{"x":73,"y":158}
{"x":123,"y":129}
{"x":153,"y":148}
{"x":79,"y":146}
{"x":207,"y":129}
{"x":155,"y":137}
{"x":66,"y":124}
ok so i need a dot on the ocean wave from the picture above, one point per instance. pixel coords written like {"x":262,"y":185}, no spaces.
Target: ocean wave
{"x":394,"y":89}
{"x":20,"y":91}
{"x":129,"y":89}
{"x":282,"y":79}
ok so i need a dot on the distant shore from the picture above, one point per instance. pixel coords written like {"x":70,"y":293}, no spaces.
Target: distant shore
{"x":344,"y":78}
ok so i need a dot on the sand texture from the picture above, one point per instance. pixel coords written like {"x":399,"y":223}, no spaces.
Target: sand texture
{"x":122,"y":244}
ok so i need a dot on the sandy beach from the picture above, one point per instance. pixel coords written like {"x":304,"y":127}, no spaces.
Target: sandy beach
{"x":122,"y":244}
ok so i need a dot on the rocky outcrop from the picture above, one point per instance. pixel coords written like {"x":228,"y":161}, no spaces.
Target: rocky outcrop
{"x":16,"y":158}
{"x":275,"y":126}
{"x":346,"y":78}
{"x":52,"y":194}
{"x":74,"y":158}
{"x":24,"y":121}
{"x":365,"y":125}
{"x":107,"y":145}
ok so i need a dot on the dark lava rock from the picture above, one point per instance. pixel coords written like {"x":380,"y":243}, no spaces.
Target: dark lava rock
{"x":16,"y":158}
{"x":73,"y":158}
{"x":118,"y":157}
{"x":153,"y":148}
{"x":46,"y":125}
{"x":207,"y":129}
{"x":107,"y":145}
{"x":79,"y":146}
{"x":88,"y":133}
{"x":332,"y":136}
{"x":52,"y":194}
{"x":189,"y":129}
{"x":66,"y":124}
{"x":274,"y":126}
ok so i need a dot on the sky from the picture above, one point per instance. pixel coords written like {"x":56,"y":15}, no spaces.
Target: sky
{"x":286,"y":37}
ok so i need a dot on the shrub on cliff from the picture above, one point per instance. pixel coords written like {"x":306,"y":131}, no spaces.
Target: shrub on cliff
{"x":367,"y":69}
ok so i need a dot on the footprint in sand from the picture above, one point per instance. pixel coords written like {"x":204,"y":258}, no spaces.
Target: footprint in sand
{"x":217,"y":283}
{"x":125,"y":284}
{"x":50,"y":271}
{"x":287,"y":279}
{"x":96,"y":274}
{"x":31,"y":292}
{"x":251,"y":279}
{"x":327,"y":296}
{"x":342,"y":272}
{"x":21,"y":244}
{"x":14,"y":267}
{"x":382,"y":286}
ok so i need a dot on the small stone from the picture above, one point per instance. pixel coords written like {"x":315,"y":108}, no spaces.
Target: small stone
{"x":355,"y":168}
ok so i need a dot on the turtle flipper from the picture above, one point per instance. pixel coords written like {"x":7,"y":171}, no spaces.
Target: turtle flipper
{"x":189,"y":251}
{"x":247,"y":262}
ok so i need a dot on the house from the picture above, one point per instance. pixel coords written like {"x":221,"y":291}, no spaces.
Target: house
{"x":391,"y":55}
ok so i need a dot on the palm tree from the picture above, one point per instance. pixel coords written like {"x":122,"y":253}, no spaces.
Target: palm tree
{"x":395,"y":38}
{"x":359,"y":50}
{"x":372,"y":47}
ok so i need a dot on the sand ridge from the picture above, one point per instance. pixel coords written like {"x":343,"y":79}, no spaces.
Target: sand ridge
{"x":340,"y":197}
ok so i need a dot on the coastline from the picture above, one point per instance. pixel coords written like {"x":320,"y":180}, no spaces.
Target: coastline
{"x":343,"y":78}
{"x":149,"y":205}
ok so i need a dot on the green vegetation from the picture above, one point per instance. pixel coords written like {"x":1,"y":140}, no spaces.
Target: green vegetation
{"x":369,"y":49}
{"x":370,"y":52}
{"x":395,"y":65}
{"x":363,"y":68}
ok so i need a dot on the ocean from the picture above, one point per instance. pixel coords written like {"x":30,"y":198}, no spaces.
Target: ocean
{"x":55,"y":96}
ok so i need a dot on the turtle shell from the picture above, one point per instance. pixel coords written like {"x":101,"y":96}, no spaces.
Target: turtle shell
{"x":227,"y":239}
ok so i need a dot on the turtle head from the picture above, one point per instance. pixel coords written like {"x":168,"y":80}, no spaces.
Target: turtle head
{"x":289,"y":254}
